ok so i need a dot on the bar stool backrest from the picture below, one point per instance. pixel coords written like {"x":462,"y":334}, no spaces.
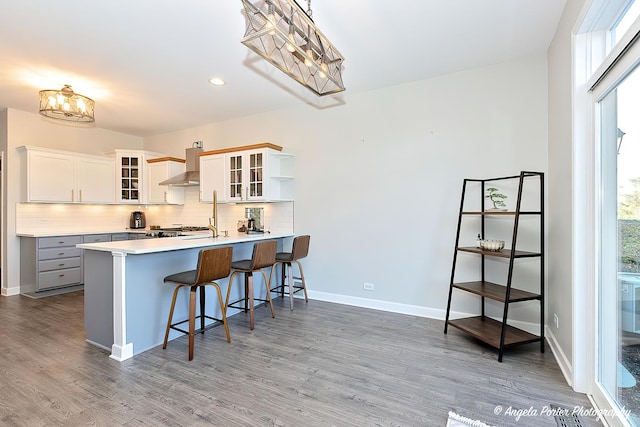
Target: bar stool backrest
{"x":300,"y":247}
{"x":214,"y":264}
{"x":264,"y":254}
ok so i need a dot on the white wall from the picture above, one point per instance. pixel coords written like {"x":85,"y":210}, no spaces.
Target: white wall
{"x":378,"y":179}
{"x":560,"y":295}
{"x":30,"y":129}
{"x":3,"y":193}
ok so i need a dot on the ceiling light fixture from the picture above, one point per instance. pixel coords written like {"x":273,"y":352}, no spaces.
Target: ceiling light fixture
{"x":66,"y":105}
{"x":286,"y":36}
{"x":216,"y":81}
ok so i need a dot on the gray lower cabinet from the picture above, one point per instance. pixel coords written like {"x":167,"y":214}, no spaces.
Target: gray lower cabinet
{"x":49,"y":263}
{"x":116,"y":237}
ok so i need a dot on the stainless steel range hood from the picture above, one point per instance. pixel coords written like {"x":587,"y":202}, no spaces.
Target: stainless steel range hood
{"x":192,"y":175}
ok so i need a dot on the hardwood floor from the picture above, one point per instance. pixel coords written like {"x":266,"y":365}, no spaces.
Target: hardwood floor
{"x":322,"y":364}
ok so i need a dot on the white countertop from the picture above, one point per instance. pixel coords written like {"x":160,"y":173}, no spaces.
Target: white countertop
{"x":44,"y":233}
{"x":164,"y":244}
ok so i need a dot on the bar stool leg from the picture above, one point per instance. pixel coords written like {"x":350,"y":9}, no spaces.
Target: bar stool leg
{"x":246,"y":291}
{"x":173,"y":305}
{"x":289,"y":282}
{"x":249,"y":288}
{"x":202,"y":312}
{"x":304,"y":284}
{"x":223,"y":311}
{"x":192,"y":319}
{"x":266,"y":284}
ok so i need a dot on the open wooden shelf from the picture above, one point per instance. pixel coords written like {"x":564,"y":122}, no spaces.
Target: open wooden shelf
{"x":499,"y":334}
{"x":504,"y":253}
{"x":500,"y":213}
{"x":496,"y":292}
{"x":488,"y":331}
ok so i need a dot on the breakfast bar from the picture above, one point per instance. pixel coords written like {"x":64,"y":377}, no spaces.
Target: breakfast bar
{"x":126,"y":301}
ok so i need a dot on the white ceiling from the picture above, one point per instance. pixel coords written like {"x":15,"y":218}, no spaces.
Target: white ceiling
{"x":146,"y":63}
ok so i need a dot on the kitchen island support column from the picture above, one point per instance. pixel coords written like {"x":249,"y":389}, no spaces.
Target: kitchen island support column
{"x":120,"y":350}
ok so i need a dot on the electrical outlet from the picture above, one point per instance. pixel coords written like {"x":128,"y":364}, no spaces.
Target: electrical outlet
{"x":555,"y":321}
{"x":367,"y":286}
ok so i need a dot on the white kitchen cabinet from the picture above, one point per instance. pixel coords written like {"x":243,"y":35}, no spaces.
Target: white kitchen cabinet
{"x":252,"y":173}
{"x":259,"y":175}
{"x":212,"y":175}
{"x":132,"y":175}
{"x":66,"y":177}
{"x":161,"y":169}
{"x":96,"y":179}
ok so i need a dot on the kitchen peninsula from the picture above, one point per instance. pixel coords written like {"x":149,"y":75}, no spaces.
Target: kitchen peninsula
{"x":126,"y":301}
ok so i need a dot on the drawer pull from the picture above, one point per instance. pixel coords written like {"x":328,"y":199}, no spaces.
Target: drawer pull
{"x":61,"y":275}
{"x":61,"y":243}
{"x":61,"y":253}
{"x":60,"y":265}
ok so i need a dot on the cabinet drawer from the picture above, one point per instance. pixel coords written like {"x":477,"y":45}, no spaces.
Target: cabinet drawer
{"x":119,"y":236}
{"x":54,"y":279}
{"x":59,"y":264}
{"x":96,"y":238}
{"x":56,"y":242}
{"x":56,"y":253}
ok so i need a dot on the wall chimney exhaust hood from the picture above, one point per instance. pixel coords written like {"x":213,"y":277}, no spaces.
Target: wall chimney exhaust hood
{"x":192,"y":175}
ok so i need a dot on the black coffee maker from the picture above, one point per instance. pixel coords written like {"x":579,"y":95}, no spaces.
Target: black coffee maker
{"x":137,"y":220}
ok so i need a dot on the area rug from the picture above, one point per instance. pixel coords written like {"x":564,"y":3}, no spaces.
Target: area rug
{"x":456,"y":420}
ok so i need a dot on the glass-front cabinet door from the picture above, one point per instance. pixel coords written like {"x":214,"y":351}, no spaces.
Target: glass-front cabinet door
{"x":234,"y":162}
{"x":255,"y":176}
{"x":130,"y":179}
{"x":245,"y":176}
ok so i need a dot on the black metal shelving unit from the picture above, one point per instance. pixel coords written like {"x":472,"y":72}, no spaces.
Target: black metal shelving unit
{"x":499,"y":334}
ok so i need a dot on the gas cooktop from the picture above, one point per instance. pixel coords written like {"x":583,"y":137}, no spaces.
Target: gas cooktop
{"x":173,"y":231}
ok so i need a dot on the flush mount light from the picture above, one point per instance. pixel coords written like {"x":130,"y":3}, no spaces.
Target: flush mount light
{"x":66,"y":105}
{"x":216,"y":81}
{"x":286,"y":36}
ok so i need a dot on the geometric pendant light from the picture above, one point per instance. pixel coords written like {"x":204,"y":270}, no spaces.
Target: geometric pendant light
{"x":286,"y":36}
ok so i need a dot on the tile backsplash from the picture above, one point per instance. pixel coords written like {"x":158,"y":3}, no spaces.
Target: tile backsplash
{"x":68,"y":218}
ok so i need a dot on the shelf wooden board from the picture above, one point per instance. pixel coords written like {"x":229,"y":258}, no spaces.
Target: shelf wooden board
{"x":488,"y":330}
{"x":500,"y":213}
{"x":496,"y":292}
{"x":504,"y":253}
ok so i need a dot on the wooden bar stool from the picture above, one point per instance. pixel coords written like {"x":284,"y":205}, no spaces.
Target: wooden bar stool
{"x":213,"y":264}
{"x":264,"y":255}
{"x":299,"y":250}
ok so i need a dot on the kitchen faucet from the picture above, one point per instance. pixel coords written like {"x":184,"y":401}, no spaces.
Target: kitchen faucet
{"x":214,"y":227}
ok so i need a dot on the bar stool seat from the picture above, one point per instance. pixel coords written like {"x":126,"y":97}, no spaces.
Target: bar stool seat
{"x":213,"y":264}
{"x":264,"y":255}
{"x":299,"y":250}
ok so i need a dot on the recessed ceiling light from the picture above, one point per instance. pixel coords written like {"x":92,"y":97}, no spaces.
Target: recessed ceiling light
{"x":216,"y":81}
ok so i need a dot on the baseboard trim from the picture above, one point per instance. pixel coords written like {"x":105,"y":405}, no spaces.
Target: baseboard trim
{"x":9,"y":292}
{"x":375,"y":304}
{"x":560,"y":356}
{"x":413,"y":310}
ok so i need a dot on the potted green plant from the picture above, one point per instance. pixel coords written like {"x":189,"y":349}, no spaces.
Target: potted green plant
{"x":497,"y":199}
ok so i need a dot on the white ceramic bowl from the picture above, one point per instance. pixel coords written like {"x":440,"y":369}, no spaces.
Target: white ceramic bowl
{"x":492,"y":245}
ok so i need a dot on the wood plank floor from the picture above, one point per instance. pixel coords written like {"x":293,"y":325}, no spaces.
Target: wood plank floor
{"x":322,"y":364}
